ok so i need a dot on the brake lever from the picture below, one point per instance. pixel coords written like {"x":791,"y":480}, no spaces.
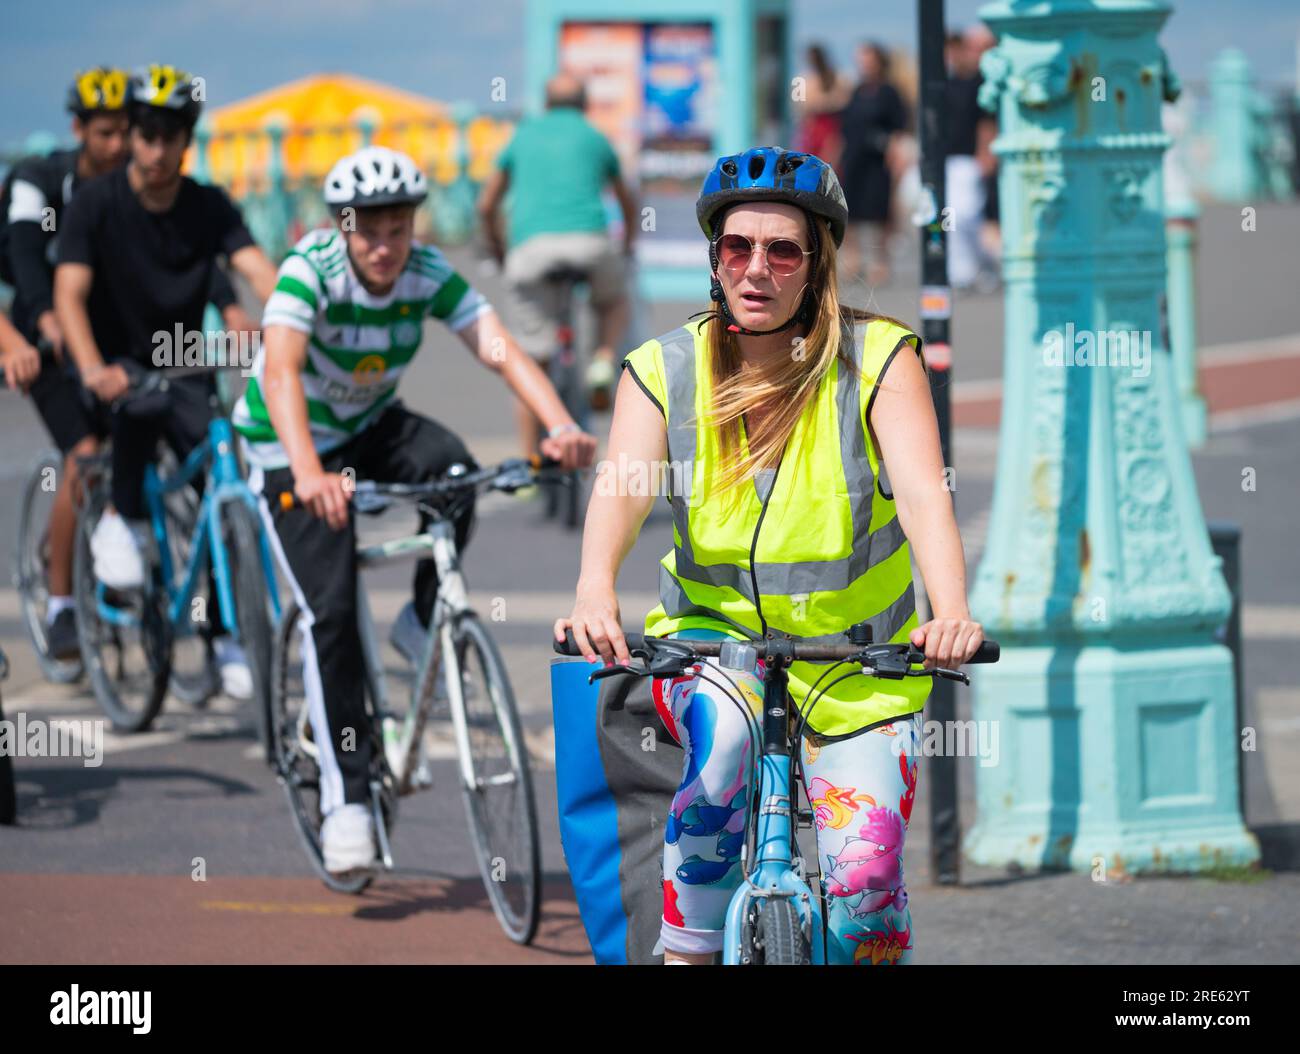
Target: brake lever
{"x":610,"y":671}
{"x":940,"y":671}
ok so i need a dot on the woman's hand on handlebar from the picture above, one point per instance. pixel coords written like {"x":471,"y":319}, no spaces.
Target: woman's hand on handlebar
{"x":326,"y":495}
{"x":947,"y":642}
{"x":572,"y":449}
{"x":597,"y":626}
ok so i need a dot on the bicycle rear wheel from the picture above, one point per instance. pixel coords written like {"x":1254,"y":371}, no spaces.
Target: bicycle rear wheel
{"x":499,"y":801}
{"x":241,"y":535}
{"x":293,"y":748}
{"x":31,"y":565}
{"x":126,"y":638}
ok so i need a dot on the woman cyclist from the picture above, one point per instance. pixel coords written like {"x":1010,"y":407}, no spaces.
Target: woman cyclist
{"x":804,"y":467}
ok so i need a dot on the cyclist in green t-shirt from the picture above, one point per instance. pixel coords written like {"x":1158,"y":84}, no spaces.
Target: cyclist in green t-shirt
{"x":556,"y":168}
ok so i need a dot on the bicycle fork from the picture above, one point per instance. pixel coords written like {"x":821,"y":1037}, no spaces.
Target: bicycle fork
{"x":771,"y":873}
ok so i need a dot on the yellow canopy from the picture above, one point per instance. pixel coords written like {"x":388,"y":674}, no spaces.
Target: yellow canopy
{"x":321,"y":117}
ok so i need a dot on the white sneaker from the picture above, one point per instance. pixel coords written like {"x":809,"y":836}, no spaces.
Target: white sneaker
{"x":115,"y":546}
{"x":236,"y":677}
{"x":347,"y":839}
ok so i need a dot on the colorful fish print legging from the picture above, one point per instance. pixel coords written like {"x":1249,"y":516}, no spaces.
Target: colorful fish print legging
{"x":861,"y":790}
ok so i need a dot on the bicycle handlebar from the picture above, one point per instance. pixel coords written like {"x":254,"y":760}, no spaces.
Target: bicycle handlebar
{"x":509,"y":475}
{"x":667,"y":657}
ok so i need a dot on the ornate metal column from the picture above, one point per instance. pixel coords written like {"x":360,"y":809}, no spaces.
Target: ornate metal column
{"x":1233,"y":176}
{"x":1113,"y":702}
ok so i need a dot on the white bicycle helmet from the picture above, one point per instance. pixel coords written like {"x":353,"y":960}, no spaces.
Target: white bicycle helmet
{"x":374,"y":176}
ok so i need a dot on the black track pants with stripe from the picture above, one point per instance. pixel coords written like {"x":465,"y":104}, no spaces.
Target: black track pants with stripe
{"x":400,"y":447}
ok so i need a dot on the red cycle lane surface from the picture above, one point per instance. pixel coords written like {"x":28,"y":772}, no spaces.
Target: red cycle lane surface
{"x":1225,"y":386}
{"x":145,"y":919}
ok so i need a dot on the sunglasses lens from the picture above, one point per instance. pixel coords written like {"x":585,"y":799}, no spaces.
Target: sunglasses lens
{"x":733,"y":251}
{"x":784,"y":257}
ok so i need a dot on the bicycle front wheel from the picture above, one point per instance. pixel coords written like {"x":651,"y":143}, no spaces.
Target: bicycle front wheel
{"x":31,"y":565}
{"x":194,"y":679}
{"x":498,"y":797}
{"x":241,"y":536}
{"x":125,"y":636}
{"x":776,"y":937}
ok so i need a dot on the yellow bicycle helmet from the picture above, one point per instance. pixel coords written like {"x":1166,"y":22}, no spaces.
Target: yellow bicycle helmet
{"x":101,"y":89}
{"x":157,"y":87}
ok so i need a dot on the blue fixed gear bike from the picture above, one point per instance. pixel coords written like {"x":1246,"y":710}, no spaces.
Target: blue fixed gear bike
{"x":128,"y":636}
{"x":774,"y":918}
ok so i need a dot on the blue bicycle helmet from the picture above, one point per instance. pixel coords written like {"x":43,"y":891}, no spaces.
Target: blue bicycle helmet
{"x":768,"y":173}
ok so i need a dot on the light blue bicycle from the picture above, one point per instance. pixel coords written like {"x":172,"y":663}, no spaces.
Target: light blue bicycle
{"x":128,"y":636}
{"x":775,"y":918}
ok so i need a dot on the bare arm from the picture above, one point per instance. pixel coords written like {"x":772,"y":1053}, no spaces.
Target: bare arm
{"x":325,"y":494}
{"x":488,"y":338}
{"x":253,"y":264}
{"x":620,"y":502}
{"x":72,"y":282}
{"x":489,"y":211}
{"x":907,"y":435}
{"x":631,"y":219}
{"x":986,"y":130}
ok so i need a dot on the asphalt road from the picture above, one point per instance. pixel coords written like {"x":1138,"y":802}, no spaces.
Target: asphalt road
{"x":100,"y":868}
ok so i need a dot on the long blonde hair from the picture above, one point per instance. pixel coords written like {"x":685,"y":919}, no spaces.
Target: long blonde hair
{"x":790,"y":381}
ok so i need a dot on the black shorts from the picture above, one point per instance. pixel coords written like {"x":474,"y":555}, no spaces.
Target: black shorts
{"x":69,"y":411}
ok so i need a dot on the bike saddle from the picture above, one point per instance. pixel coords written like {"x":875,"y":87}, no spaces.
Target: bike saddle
{"x":565,"y":273}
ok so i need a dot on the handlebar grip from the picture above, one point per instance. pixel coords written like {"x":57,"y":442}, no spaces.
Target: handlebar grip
{"x":569,"y":646}
{"x":989,"y":651}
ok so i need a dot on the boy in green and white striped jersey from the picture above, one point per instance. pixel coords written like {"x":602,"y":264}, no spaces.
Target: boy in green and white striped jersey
{"x":345,"y":319}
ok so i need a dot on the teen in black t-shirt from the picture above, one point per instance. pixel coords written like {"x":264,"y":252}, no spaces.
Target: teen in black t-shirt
{"x":138,"y":249}
{"x":152,"y":269}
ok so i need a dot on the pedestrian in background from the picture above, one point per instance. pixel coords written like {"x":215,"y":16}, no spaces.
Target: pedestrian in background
{"x":870,"y":125}
{"x":826,"y":93}
{"x":555,"y":168}
{"x":970,"y":163}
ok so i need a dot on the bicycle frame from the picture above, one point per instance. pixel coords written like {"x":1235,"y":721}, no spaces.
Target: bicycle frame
{"x":771,"y":872}
{"x":215,"y":456}
{"x":437,"y":541}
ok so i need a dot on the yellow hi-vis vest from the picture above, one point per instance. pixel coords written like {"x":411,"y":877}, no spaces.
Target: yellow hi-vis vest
{"x":824,"y":551}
